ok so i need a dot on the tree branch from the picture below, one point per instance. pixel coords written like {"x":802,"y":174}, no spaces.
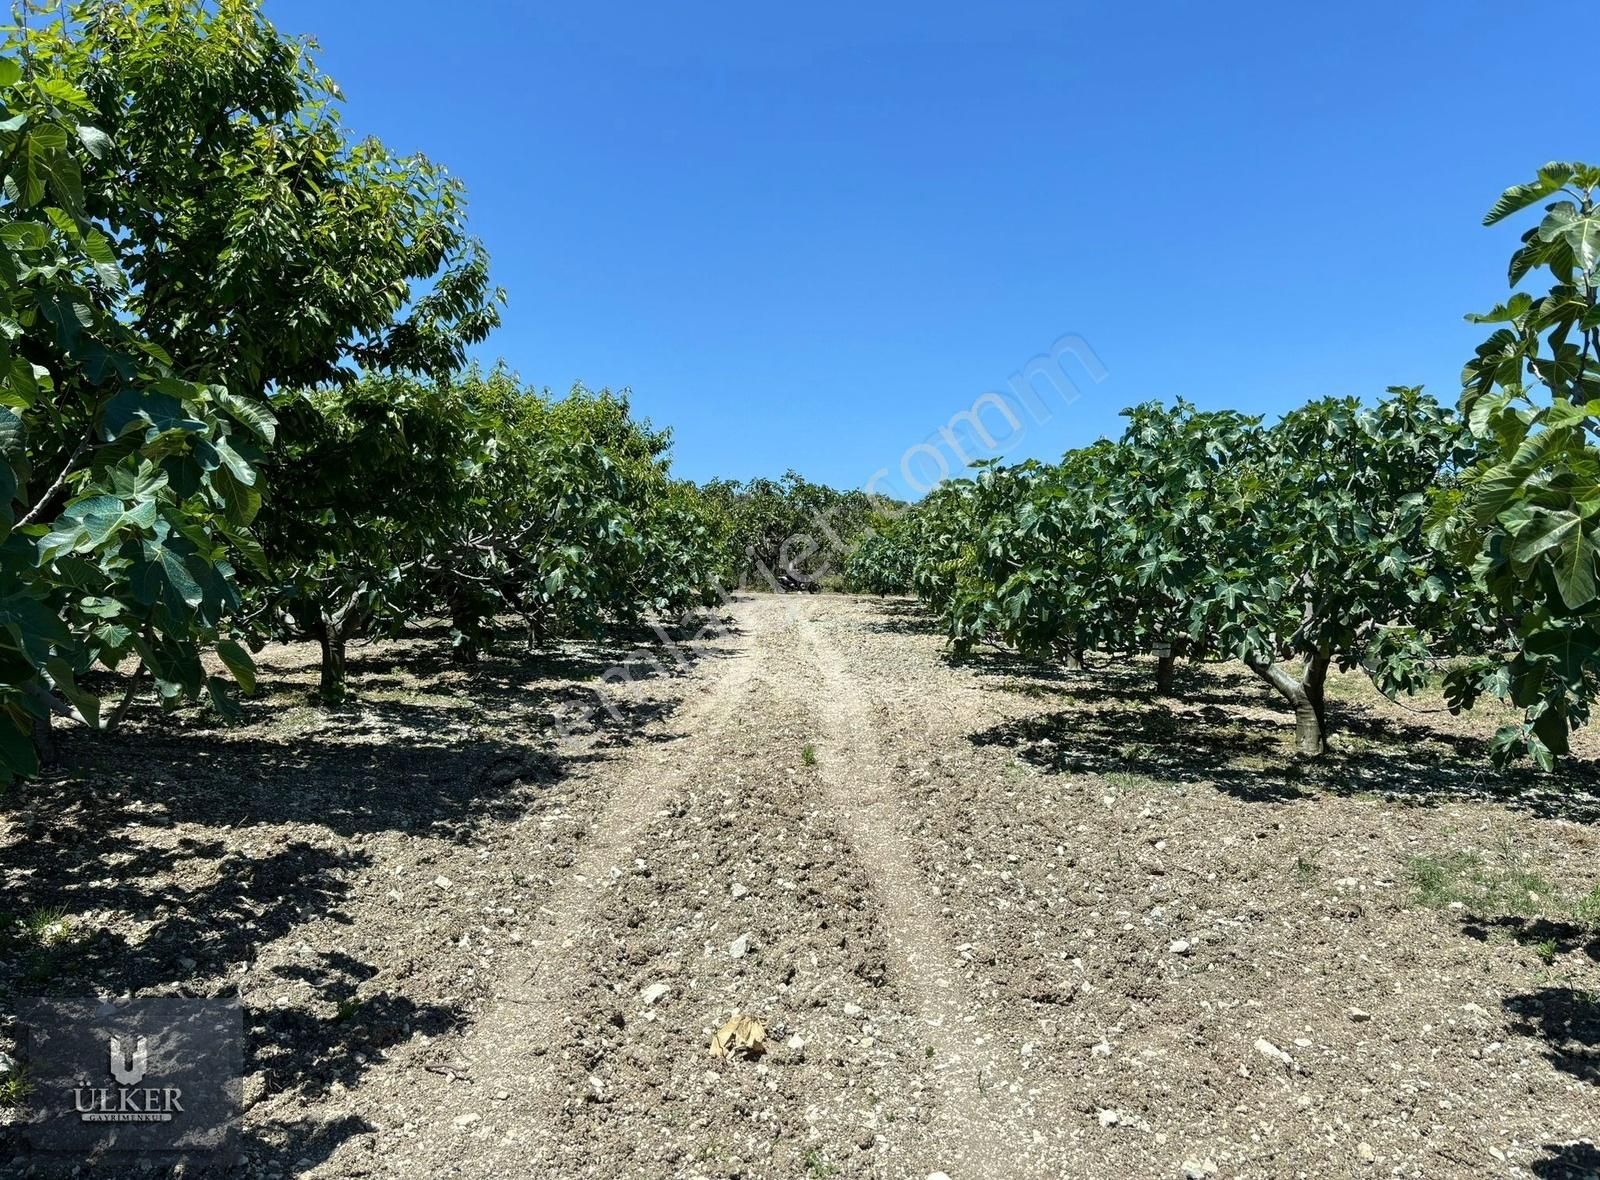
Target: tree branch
{"x":61,"y":479}
{"x":121,"y":710}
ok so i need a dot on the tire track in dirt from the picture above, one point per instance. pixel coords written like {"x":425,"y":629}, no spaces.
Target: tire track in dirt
{"x":644,"y":793}
{"x":1079,"y":867}
{"x":899,"y":1072}
{"x":571,"y":1076}
{"x":994,"y":1118}
{"x":507,"y":1050}
{"x":746,"y":856}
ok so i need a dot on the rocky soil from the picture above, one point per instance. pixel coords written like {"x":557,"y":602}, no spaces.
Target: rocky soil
{"x":991,"y":920}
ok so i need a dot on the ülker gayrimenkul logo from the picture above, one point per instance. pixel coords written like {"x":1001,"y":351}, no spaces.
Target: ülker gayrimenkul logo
{"x":127,"y":1101}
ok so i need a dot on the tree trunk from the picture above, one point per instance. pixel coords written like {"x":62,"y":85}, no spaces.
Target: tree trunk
{"x":331,"y":689}
{"x":1167,"y":657}
{"x":44,"y":743}
{"x":1305,"y":697}
{"x":465,"y":624}
{"x":1315,"y":679}
{"x":333,"y":628}
{"x":1165,"y":666}
{"x":128,"y":697}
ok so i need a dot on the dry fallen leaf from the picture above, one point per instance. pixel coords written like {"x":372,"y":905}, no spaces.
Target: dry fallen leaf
{"x":742,"y":1034}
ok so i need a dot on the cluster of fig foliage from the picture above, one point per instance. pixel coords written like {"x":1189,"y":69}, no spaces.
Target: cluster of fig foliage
{"x":235,"y":403}
{"x":791,"y":526}
{"x":1407,"y":538}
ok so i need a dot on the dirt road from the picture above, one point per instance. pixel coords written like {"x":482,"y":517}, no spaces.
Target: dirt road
{"x":773,"y":819}
{"x":992,"y":923}
{"x":966,"y":966}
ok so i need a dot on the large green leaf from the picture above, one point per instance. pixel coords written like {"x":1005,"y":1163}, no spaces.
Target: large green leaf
{"x":1546,"y":531}
{"x":253,"y":414}
{"x":238,"y":661}
{"x":1551,"y":728}
{"x":1520,"y":196}
{"x":1580,"y":231}
{"x":1574,"y":571}
{"x":167,"y":576}
{"x":66,"y":683}
{"x":159,"y":412}
{"x":96,"y":142}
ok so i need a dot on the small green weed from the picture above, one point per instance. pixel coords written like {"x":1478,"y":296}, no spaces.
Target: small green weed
{"x":49,"y":925}
{"x":348,"y":1008}
{"x":1587,"y":910}
{"x":14,"y":1087}
{"x":1485,"y":889}
{"x":816,"y":1165}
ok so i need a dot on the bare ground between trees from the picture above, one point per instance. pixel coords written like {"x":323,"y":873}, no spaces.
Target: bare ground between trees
{"x":997,"y":920}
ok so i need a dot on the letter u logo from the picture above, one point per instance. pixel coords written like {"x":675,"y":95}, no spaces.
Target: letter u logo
{"x":129,"y":1071}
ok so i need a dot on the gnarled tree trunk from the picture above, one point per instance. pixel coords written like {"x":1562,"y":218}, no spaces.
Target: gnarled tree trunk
{"x":333,"y":629}
{"x":1305,"y":696}
{"x":331,"y":686}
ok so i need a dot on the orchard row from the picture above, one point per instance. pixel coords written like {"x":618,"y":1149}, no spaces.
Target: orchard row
{"x":1407,"y":538}
{"x":234,"y":404}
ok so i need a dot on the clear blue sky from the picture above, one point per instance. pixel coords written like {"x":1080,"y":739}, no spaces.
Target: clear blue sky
{"x":808,"y":235}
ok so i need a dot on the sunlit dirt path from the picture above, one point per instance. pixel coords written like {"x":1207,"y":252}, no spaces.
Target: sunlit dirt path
{"x":979,"y":947}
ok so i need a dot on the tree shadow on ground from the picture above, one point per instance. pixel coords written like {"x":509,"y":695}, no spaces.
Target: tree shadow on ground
{"x":1560,"y":936}
{"x":1016,"y":671}
{"x":1567,"y":1019}
{"x":194,"y":903}
{"x":505,"y":673}
{"x":1121,"y":679}
{"x":454,"y":748}
{"x":366,"y":767}
{"x":296,"y":1049}
{"x":280,"y":809}
{"x":1219,"y":735}
{"x":304,"y":1143}
{"x":900,"y":616}
{"x":1568,"y":1161}
{"x":903,"y":625}
{"x":1110,"y":679}
{"x":1153,"y":742}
